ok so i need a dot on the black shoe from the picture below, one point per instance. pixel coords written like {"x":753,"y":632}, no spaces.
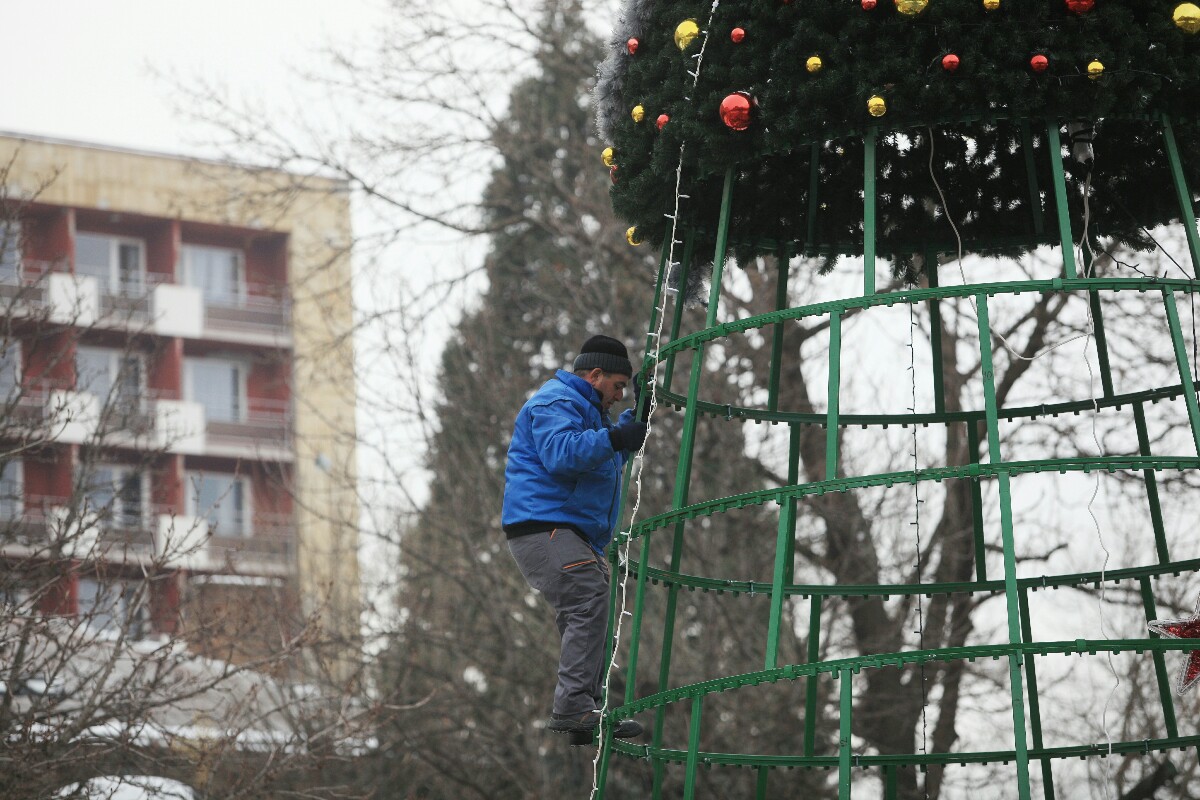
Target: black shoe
{"x":588,"y":721}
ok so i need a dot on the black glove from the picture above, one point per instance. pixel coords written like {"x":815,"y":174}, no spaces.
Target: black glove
{"x":637,"y":394}
{"x":628,"y":436}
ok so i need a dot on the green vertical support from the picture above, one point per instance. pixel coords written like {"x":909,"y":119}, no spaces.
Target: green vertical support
{"x":869,"y":211}
{"x":1187,"y":211}
{"x":785,"y":537}
{"x":605,"y":755}
{"x":835,"y":388}
{"x":1156,"y":517}
{"x":935,"y":333}
{"x":977,"y":504}
{"x":1106,"y":381}
{"x":647,"y":362}
{"x":787,"y":510}
{"x":1010,"y":560}
{"x":689,"y":781}
{"x":846,"y":709}
{"x":639,"y":606}
{"x":685,"y":265}
{"x":781,"y":287}
{"x":891,"y":786}
{"x":1181,"y":360}
{"x":810,"y":683}
{"x":1035,"y":710}
{"x":1035,"y":194}
{"x":1060,"y":199}
{"x":683,"y":473}
{"x":789,"y":575}
{"x":814,"y":192}
{"x":1160,"y":664}
{"x":760,"y":787}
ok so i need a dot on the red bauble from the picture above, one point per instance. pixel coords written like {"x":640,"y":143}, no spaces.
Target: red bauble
{"x":663,"y":119}
{"x":949,"y":62}
{"x":735,"y":111}
{"x":869,"y":4}
{"x":612,"y":173}
{"x":632,"y":45}
{"x":737,"y":34}
{"x":1039,"y":63}
{"x":1080,"y":6}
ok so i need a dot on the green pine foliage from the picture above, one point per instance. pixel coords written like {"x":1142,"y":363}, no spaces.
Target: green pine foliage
{"x":986,"y":120}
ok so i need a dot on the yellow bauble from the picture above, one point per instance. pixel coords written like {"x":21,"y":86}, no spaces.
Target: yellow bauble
{"x":685,"y":32}
{"x":1095,"y":70}
{"x":991,"y":5}
{"x":638,"y":113}
{"x":606,"y":156}
{"x":1187,"y":17}
{"x":876,"y":106}
{"x":632,"y":237}
{"x":814,"y":64}
{"x":910,"y":8}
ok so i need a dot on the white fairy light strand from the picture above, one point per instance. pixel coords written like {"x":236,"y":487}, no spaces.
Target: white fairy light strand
{"x":639,"y":459}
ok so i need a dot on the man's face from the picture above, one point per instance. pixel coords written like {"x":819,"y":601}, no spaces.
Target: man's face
{"x":610,"y":385}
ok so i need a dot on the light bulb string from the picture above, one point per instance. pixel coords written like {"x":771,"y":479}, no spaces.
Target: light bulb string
{"x":623,"y":540}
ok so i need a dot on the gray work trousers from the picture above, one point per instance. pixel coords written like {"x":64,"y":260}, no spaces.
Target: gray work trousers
{"x":574,"y":581}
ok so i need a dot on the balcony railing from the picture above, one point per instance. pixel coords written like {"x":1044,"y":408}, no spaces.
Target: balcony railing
{"x":268,"y":542}
{"x":268,"y":423}
{"x":130,"y":301}
{"x":270,"y":538}
{"x":262,"y":307}
{"x":27,"y":282}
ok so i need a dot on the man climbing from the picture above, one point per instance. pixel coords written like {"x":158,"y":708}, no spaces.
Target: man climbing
{"x":561,"y":499}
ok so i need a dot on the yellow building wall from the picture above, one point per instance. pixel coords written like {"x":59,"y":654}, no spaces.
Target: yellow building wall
{"x":315,"y":212}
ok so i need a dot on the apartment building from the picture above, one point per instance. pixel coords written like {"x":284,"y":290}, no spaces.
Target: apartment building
{"x":177,"y":374}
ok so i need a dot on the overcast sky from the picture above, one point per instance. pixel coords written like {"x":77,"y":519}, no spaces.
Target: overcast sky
{"x":85,"y":70}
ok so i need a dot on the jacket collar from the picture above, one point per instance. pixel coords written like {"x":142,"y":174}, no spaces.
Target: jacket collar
{"x":577,"y":383}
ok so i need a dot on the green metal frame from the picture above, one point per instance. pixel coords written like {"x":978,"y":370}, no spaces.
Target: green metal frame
{"x":989,"y":477}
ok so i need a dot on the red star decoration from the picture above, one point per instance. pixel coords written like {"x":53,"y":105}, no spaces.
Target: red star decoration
{"x":1187,"y":628}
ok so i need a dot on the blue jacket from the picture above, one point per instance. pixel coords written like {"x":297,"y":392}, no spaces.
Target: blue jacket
{"x":562,"y":469}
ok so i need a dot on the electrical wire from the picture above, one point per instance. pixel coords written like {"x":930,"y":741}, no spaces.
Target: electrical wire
{"x":1087,"y":336}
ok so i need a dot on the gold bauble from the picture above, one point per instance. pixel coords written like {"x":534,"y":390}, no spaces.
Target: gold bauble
{"x":632,"y":237}
{"x":606,"y":155}
{"x":638,"y":113}
{"x":1187,"y":17}
{"x":910,"y":8}
{"x":991,"y":5}
{"x":876,"y":106}
{"x":1095,"y":69}
{"x":685,"y":32}
{"x":814,"y":64}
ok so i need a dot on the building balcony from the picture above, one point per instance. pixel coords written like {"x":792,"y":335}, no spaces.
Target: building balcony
{"x":24,"y":286}
{"x":42,"y":526}
{"x":261,"y":308}
{"x":158,"y":420}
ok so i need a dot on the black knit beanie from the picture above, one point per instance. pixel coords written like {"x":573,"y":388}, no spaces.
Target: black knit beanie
{"x":606,"y":353}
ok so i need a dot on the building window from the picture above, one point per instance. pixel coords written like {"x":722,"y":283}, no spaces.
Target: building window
{"x":114,"y":606}
{"x":219,"y":385}
{"x":217,"y":271}
{"x":117,"y":496}
{"x":12,"y":489}
{"x":117,"y":263}
{"x":10,"y":371}
{"x":10,"y":252}
{"x":222,"y":500}
{"x":116,"y":377}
